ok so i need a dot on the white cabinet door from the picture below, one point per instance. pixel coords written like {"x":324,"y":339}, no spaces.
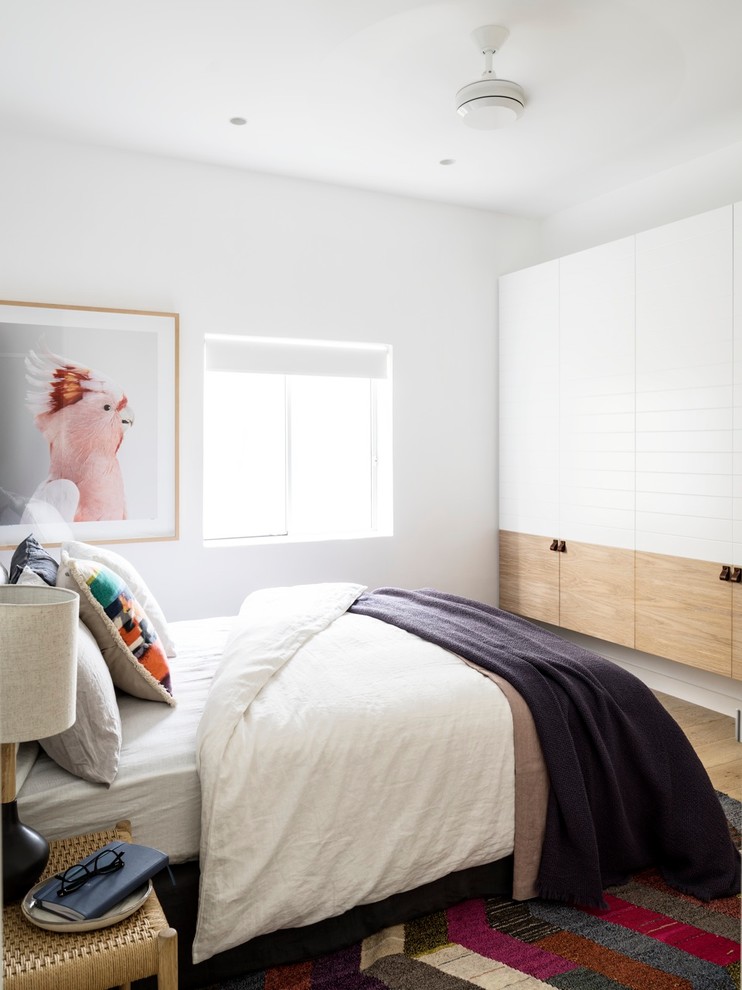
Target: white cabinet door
{"x":684,"y":381}
{"x":529,"y":401}
{"x":737,"y":446}
{"x":596,"y":404}
{"x":736,"y":560}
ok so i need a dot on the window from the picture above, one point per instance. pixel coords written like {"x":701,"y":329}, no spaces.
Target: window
{"x":297,"y":439}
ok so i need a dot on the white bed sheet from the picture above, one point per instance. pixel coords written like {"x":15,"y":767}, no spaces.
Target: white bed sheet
{"x":157,"y":787}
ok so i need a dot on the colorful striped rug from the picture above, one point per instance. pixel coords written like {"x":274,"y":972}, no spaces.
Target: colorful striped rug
{"x":650,"y":938}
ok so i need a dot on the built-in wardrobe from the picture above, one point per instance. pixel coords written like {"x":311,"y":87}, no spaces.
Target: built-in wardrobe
{"x":620,"y":461}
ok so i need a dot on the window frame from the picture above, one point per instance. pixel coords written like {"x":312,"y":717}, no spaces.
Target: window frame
{"x":380,"y":422}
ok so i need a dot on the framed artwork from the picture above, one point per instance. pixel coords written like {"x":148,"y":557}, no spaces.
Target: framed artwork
{"x":88,"y":424}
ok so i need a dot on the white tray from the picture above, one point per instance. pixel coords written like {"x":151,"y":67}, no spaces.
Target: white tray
{"x":39,"y":916}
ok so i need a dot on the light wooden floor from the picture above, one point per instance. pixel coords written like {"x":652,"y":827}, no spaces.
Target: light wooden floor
{"x":712,"y":737}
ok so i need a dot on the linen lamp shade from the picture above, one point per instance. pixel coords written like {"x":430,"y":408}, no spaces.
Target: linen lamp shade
{"x":38,"y":681}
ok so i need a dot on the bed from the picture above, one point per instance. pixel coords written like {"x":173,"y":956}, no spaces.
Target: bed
{"x":327,"y":772}
{"x":421,"y":774}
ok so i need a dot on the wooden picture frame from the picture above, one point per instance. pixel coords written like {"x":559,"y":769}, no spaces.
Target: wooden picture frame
{"x":88,"y":424}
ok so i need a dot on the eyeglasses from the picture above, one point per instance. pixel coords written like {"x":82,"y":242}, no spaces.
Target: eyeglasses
{"x":107,"y":861}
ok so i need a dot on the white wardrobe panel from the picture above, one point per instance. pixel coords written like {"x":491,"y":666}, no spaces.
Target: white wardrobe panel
{"x":684,"y":377}
{"x":705,"y":397}
{"x":710,"y":506}
{"x":705,"y":528}
{"x":683,"y":281}
{"x":667,"y":378}
{"x":512,"y":415}
{"x":605,"y":384}
{"x":598,"y":515}
{"x":621,"y":499}
{"x":680,"y":545}
{"x":586,"y":441}
{"x":528,"y":478}
{"x":597,"y":403}
{"x":527,"y":297}
{"x":528,"y":516}
{"x":694,"y":420}
{"x":685,"y":349}
{"x":674,"y":462}
{"x":529,"y":401}
{"x":603,"y":526}
{"x":713,"y":440}
{"x":596,"y":399}
{"x":737,"y":442}
{"x":718,"y":485}
{"x":578,"y":461}
{"x":619,"y":537}
{"x":519,"y":377}
{"x":598,"y":425}
{"x":602,"y":480}
{"x":661,"y":517}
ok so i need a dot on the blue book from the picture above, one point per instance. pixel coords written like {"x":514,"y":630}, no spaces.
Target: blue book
{"x":105,"y":890}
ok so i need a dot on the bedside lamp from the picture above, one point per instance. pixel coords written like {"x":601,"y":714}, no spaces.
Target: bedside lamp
{"x":38,"y":680}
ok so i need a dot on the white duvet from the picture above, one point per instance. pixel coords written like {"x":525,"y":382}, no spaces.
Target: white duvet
{"x":341,"y":760}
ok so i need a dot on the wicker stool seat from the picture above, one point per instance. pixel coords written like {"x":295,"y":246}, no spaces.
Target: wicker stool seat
{"x":141,"y":945}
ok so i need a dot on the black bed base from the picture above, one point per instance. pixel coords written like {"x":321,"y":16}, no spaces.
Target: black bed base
{"x":293,"y":945}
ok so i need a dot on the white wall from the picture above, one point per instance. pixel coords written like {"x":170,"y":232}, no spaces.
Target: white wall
{"x":694,"y":187}
{"x":237,"y":252}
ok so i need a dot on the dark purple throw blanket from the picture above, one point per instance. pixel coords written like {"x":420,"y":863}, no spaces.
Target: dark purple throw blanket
{"x":627,"y":789}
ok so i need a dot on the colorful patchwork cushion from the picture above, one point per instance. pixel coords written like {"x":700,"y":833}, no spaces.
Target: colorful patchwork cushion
{"x":125,"y":635}
{"x":131,"y":576}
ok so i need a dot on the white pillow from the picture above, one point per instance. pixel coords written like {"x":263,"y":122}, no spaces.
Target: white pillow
{"x":31,"y":579}
{"x":132,"y":579}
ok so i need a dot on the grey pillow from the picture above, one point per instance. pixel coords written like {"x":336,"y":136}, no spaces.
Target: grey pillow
{"x":91,"y":747}
{"x":25,"y":757}
{"x":31,"y":554}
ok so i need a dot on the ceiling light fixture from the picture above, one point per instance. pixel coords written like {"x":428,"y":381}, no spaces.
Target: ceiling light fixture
{"x":490,"y":102}
{"x":237,"y":121}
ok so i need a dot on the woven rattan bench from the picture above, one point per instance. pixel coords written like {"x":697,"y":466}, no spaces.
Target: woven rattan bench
{"x":141,"y":945}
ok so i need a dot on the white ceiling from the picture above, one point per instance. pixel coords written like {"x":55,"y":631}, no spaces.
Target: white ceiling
{"x":361,"y":92}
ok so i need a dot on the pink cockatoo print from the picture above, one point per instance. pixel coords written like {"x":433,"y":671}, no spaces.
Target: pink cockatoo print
{"x":83,"y":416}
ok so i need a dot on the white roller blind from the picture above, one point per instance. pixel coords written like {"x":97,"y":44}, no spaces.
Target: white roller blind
{"x":285,"y":356}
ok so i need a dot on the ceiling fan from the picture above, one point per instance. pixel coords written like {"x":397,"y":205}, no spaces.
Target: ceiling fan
{"x":489,"y":102}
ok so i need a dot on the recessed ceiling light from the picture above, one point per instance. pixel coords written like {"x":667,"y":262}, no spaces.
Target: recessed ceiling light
{"x":447,"y":161}
{"x":237,"y":121}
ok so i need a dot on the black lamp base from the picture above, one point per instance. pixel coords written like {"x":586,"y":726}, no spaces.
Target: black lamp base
{"x":25,"y":854}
